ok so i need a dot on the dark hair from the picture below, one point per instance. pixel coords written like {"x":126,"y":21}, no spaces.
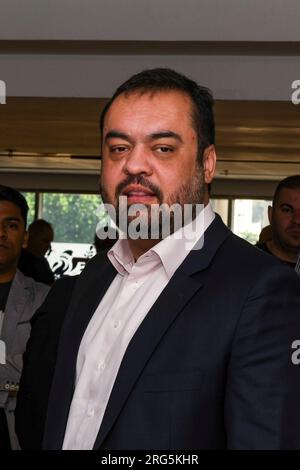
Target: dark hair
{"x":291,"y":182}
{"x":39,"y":225}
{"x":162,"y":79}
{"x":13,"y":196}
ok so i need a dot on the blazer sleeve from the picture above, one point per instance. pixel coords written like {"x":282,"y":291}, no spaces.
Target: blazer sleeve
{"x":30,"y":295}
{"x":263,"y":386}
{"x":39,"y":363}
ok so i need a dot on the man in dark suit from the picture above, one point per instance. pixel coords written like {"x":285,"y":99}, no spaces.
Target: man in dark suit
{"x":284,"y":217}
{"x":170,"y":342}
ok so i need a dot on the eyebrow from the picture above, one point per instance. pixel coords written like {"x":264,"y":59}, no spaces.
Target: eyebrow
{"x":165,"y":134}
{"x":12,"y":219}
{"x":155,"y":135}
{"x":116,"y":134}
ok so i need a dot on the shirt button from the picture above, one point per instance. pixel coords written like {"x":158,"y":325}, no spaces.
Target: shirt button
{"x":90,"y":411}
{"x":101,"y":366}
{"x":116,"y":324}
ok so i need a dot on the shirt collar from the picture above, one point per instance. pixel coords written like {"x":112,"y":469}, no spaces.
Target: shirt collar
{"x":121,"y":257}
{"x":175,"y":248}
{"x":171,"y":251}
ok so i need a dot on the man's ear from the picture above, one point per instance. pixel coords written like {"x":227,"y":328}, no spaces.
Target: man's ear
{"x":209,"y":163}
{"x":270,"y":213}
{"x":25,"y":239}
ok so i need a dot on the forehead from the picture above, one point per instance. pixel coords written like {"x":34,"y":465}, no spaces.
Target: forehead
{"x":289,"y":196}
{"x":157,"y":109}
{"x":9,"y":209}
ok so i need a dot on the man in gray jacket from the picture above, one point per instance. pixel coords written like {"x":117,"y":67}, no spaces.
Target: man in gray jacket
{"x":20,"y":296}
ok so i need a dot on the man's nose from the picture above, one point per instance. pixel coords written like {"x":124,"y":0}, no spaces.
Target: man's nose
{"x":3,"y":231}
{"x":296,"y":216}
{"x":137,"y":161}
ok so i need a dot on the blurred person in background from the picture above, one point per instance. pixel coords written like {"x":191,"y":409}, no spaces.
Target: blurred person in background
{"x":32,"y":261}
{"x":265,"y":235}
{"x":284,"y":217}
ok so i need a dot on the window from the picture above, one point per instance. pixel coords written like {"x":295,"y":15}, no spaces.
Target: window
{"x":74,"y":219}
{"x":30,"y":198}
{"x":249,"y":216}
{"x":220,"y":206}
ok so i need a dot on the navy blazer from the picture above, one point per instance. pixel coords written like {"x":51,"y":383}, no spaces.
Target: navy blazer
{"x":209,"y":367}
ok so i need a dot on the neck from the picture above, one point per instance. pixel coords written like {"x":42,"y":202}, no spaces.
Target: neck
{"x":139,"y":247}
{"x":7,"y":275}
{"x":281,"y":253}
{"x":32,"y":251}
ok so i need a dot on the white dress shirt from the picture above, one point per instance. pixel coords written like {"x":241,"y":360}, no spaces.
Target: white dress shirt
{"x":122,"y":309}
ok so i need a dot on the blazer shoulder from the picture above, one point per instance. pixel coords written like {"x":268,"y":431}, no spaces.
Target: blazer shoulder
{"x":245,"y":264}
{"x":59,"y":295}
{"x":97,"y":262}
{"x":34,"y":292}
{"x":243,"y":251}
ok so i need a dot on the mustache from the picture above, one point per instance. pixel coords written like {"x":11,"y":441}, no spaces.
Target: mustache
{"x":140,"y":180}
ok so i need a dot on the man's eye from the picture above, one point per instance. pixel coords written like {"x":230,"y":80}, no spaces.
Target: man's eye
{"x":163,"y":149}
{"x":118,"y":149}
{"x":12,"y":225}
{"x":287,"y":210}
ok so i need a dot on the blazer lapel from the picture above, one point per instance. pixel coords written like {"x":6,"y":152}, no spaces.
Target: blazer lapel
{"x":149,"y":334}
{"x":16,"y":304}
{"x":181,"y":288}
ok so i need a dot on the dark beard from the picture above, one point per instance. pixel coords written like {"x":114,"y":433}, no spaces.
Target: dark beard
{"x":191,"y":192}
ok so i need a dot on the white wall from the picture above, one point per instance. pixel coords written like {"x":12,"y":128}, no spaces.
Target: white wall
{"x":188,"y":20}
{"x":245,"y":73}
{"x":229,"y":77}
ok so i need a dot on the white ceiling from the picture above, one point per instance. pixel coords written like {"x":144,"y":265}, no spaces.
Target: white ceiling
{"x":60,"y":60}
{"x":144,"y":20}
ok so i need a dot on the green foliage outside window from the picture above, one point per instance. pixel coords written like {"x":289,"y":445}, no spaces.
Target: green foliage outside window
{"x":73,"y":216}
{"x":30,"y":198}
{"x":249,"y":236}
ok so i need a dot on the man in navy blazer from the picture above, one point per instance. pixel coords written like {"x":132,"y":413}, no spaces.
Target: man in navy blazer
{"x":169,"y":342}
